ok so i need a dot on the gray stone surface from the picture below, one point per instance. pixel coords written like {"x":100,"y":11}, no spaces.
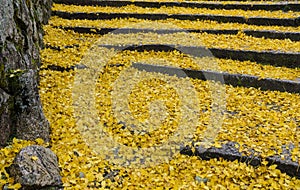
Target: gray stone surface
{"x":5,"y":103}
{"x":36,"y":167}
{"x":20,"y":41}
{"x":31,"y":122}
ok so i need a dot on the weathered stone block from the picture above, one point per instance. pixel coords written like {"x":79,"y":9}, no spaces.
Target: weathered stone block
{"x":36,"y":167}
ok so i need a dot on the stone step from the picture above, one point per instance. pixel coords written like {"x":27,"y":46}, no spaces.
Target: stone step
{"x":272,"y":34}
{"x":294,"y":22}
{"x":275,"y":58}
{"x":235,"y":80}
{"x":226,"y":78}
{"x":285,"y":6}
{"x":229,"y":152}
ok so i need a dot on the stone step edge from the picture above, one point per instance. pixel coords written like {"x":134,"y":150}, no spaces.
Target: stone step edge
{"x":272,"y":34}
{"x":285,"y":6}
{"x":229,"y":152}
{"x":283,"y":59}
{"x":295,"y":22}
{"x":235,"y":80}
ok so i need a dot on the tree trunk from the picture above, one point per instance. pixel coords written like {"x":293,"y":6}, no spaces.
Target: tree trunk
{"x":21,"y":33}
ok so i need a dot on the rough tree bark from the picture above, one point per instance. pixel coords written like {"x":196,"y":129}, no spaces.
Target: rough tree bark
{"x":21,"y":33}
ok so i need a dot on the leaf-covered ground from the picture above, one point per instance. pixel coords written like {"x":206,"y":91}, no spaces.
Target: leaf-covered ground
{"x":259,"y":121}
{"x":176,"y":10}
{"x":168,"y":23}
